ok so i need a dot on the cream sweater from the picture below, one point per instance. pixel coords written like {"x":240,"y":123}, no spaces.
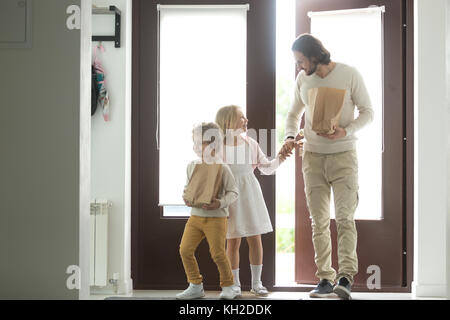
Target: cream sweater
{"x":341,"y":77}
{"x":227,"y":194}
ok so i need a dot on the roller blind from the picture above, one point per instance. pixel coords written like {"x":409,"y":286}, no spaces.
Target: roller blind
{"x":355,"y":37}
{"x":202,"y":67}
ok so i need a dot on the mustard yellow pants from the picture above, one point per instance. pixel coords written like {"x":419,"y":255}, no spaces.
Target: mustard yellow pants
{"x":339,"y":172}
{"x":215,"y":231}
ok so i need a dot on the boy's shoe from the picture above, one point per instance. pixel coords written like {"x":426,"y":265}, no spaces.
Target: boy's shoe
{"x":323,"y":290}
{"x":259,"y":290}
{"x":228,"y":293}
{"x":194,"y":291}
{"x":237,"y":289}
{"x":343,"y":289}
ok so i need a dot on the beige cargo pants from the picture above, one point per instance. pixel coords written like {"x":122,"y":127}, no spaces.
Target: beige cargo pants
{"x":339,"y":172}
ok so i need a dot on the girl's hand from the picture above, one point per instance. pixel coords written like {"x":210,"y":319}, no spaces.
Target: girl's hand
{"x":286,"y":149}
{"x":289,"y":145}
{"x":215,"y":204}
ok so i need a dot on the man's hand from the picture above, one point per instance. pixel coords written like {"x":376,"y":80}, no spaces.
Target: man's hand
{"x":338,"y":134}
{"x":215,"y":204}
{"x":289,"y":145}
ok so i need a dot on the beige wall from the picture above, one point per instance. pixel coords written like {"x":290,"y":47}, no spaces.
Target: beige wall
{"x":40,"y":158}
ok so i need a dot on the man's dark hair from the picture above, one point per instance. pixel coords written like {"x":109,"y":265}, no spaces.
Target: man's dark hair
{"x":312,"y":48}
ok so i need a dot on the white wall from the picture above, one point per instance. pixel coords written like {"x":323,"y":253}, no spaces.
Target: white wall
{"x":448,"y":146}
{"x":85,"y":144}
{"x":111,"y":144}
{"x":431,"y":165}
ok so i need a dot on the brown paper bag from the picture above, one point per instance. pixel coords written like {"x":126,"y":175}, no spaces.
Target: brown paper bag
{"x":205,"y":184}
{"x":327,"y":105}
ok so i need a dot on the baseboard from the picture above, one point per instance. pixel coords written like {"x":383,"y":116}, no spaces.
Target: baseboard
{"x":429,"y":290}
{"x":124,"y":287}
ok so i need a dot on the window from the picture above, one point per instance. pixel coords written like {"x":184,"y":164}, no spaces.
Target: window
{"x":355,"y":37}
{"x":202,"y":67}
{"x":285,"y":177}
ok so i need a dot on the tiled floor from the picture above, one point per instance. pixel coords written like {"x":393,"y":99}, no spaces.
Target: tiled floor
{"x":274,"y":295}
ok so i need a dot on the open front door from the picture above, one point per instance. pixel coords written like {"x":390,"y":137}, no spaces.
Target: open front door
{"x":384,"y":235}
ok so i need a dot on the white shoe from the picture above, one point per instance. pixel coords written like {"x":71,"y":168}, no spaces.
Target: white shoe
{"x":237,"y":289}
{"x":228,"y":293}
{"x":194,"y":291}
{"x":259,"y":290}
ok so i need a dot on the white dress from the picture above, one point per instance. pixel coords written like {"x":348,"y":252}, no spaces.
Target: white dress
{"x":248,"y":214}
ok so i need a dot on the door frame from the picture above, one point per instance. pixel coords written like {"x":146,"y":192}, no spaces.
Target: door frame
{"x":144,"y":210}
{"x":269,"y":183}
{"x":408,"y":157}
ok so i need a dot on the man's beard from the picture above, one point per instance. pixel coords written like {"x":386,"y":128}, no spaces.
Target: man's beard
{"x":313,"y":69}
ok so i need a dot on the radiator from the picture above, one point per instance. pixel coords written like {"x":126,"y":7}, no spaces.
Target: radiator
{"x":99,"y":243}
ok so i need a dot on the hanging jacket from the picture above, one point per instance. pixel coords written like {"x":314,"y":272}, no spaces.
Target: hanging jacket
{"x":103,"y":97}
{"x":94,"y":91}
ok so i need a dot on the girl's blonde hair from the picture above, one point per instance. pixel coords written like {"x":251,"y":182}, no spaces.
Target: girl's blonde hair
{"x":226,"y":118}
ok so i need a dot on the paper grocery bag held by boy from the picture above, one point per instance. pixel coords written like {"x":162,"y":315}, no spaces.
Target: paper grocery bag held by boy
{"x":204,"y":185}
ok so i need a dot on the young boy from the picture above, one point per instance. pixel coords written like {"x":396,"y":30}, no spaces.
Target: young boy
{"x":210,"y":220}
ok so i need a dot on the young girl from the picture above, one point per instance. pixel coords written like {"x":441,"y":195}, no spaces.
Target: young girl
{"x":248,"y":214}
{"x":208,"y":221}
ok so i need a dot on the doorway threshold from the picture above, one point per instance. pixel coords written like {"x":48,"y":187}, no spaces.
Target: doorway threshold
{"x":293,"y":287}
{"x":357,"y":288}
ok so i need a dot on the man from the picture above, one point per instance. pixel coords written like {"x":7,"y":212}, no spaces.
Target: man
{"x":329,"y":161}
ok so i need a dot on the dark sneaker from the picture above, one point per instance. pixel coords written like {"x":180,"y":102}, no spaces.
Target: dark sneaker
{"x":343,"y":289}
{"x":323,"y":290}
